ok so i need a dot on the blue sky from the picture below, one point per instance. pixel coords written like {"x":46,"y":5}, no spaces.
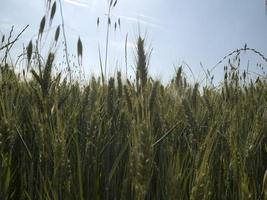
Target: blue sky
{"x":179,"y":31}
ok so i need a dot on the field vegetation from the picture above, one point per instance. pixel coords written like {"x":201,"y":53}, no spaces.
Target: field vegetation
{"x":114,"y":138}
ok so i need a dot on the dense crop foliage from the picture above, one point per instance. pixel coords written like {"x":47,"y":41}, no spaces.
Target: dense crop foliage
{"x":131,"y":140}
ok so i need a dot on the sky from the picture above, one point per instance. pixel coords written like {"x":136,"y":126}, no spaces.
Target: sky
{"x":178,"y":31}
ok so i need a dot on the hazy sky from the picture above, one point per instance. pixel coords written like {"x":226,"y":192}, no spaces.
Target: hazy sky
{"x":190,"y":31}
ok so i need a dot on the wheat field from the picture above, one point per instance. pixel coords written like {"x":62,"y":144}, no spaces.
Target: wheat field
{"x":115,"y":138}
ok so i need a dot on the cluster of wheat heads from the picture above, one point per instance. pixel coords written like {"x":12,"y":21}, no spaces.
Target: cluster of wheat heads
{"x":131,"y":140}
